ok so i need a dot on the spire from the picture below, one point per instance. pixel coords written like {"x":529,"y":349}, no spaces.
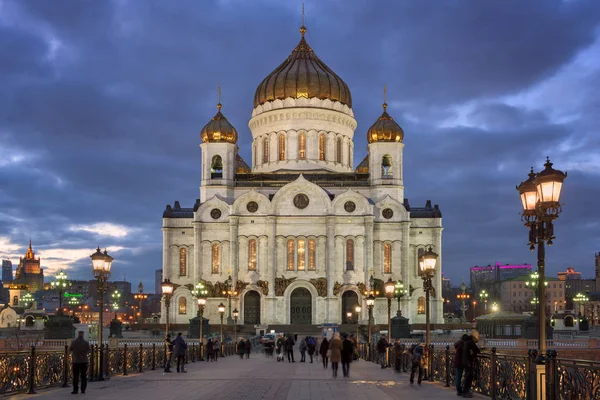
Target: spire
{"x":219,"y":105}
{"x":384,"y":97}
{"x":302,"y":28}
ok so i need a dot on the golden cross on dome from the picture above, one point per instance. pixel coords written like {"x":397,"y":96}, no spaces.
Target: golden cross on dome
{"x":384,"y":96}
{"x":219,"y":98}
{"x":302,"y":28}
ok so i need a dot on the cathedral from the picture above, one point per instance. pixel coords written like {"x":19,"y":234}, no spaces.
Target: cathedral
{"x":300,"y":236}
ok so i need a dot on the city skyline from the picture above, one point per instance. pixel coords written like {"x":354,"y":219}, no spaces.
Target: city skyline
{"x":103,"y":105}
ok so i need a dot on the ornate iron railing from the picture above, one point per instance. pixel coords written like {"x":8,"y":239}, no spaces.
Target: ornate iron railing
{"x":573,"y":379}
{"x":30,"y":370}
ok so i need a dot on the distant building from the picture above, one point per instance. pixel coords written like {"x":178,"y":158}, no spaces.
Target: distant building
{"x":574,"y":285}
{"x":569,"y":274}
{"x":486,"y":277}
{"x":29,"y":272}
{"x":516,"y":296}
{"x":598,"y":271}
{"x":157,"y":281}
{"x":7,"y":271}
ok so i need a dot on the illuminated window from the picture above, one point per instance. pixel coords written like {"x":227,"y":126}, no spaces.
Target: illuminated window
{"x":183,"y":262}
{"x":338,"y":155}
{"x":301,"y":253}
{"x":15,"y":300}
{"x":312,"y":259}
{"x":387,"y":258}
{"x":290,"y":255}
{"x":349,"y":255}
{"x":252,"y":255}
{"x":322,"y":144}
{"x":182,"y":305}
{"x":421,"y":305}
{"x":302,"y":146}
{"x":281,"y":147}
{"x":215,"y":258}
{"x":265,"y":150}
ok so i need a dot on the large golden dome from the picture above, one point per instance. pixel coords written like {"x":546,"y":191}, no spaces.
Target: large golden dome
{"x":219,"y":130}
{"x":303,"y":74}
{"x":385,"y":129}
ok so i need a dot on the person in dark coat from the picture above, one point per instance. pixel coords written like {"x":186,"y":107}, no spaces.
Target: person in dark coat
{"x":248,"y":348}
{"x":210,"y":351}
{"x":418,"y":351}
{"x":347,"y":355}
{"x":469,"y":358}
{"x":302,"y":347}
{"x":241,"y":348}
{"x":169,"y":355}
{"x":398,"y":350}
{"x":80,"y":349}
{"x":458,"y":363}
{"x":310,"y":346}
{"x":323,"y":351}
{"x":180,"y":347}
{"x":289,"y":348}
{"x":382,"y":346}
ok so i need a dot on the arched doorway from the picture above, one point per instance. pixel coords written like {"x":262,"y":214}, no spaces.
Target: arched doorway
{"x":349,"y":303}
{"x":301,"y":307}
{"x":252,"y":308}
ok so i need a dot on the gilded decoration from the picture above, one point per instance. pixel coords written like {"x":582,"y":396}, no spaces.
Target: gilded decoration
{"x":216,"y":289}
{"x":281,"y":284}
{"x":385,"y":129}
{"x":362,"y":288}
{"x":264,"y":287}
{"x":240,"y":286}
{"x":219,"y":130}
{"x":337,"y":287}
{"x":321,"y":285}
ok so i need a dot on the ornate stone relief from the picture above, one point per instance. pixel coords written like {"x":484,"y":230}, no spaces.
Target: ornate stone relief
{"x":240,"y":286}
{"x":216,"y":289}
{"x":281,"y":284}
{"x":321,"y":285}
{"x":362,"y":288}
{"x":349,"y":206}
{"x":337,"y":287}
{"x":215,"y":213}
{"x":387,"y":213}
{"x":264,"y":287}
{"x":301,"y":201}
{"x":252,"y":206}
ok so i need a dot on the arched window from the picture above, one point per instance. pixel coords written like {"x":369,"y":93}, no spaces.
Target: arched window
{"x":338,"y":156}
{"x":387,"y":258}
{"x":215,"y":258}
{"x":386,"y":166}
{"x":322,"y":146}
{"x":569,"y":322}
{"x":281,"y":147}
{"x":15,"y":300}
{"x":216,"y":167}
{"x":29,"y":321}
{"x":265,"y":150}
{"x":290,"y":255}
{"x":302,"y":146}
{"x":182,"y":305}
{"x":312,"y":259}
{"x":252,"y":255}
{"x":421,"y":305}
{"x":349,"y":255}
{"x":301,"y":254}
{"x":183,"y":261}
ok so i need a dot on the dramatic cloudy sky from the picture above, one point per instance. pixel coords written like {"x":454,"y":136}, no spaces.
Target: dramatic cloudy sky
{"x":101,"y":104}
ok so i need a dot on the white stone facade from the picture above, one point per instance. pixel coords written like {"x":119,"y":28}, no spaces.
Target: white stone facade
{"x":223,"y":219}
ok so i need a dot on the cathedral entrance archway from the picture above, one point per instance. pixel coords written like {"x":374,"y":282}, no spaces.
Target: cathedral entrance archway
{"x":301,"y":307}
{"x":252,"y":307}
{"x":349,"y":303}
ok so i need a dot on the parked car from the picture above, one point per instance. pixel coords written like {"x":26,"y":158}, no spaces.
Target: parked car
{"x":268,"y":338}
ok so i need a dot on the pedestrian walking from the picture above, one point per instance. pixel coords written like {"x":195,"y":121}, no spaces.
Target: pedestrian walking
{"x":180,"y":346}
{"x":241,"y":348}
{"x":382,"y":346}
{"x":248,"y":348}
{"x":469,"y":358}
{"x":323,"y":352}
{"x":289,"y":347}
{"x":169,"y":355}
{"x":458,"y":363}
{"x":335,"y":352}
{"x":210,"y":350}
{"x":398,"y":350}
{"x":347,"y":355}
{"x":302,"y":347}
{"x":217,"y":350}
{"x":80,"y":349}
{"x":417,"y":362}
{"x":310,"y":346}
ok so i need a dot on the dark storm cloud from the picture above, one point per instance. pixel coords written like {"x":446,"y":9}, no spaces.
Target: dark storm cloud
{"x":106,"y":100}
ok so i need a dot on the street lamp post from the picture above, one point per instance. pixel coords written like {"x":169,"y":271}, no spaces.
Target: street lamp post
{"x":115,"y":297}
{"x":201,"y":304}
{"x":358,"y":310}
{"x":221,"y":308}
{"x":463,"y":296}
{"x":483,"y":296}
{"x":167,"y":290}
{"x":60,"y":284}
{"x":229,"y":293}
{"x":236,"y":314}
{"x":495,"y":307}
{"x":399,"y":293}
{"x":370,"y":304}
{"x":474,"y":310}
{"x":581,"y":299}
{"x":140,"y":296}
{"x":427,"y":263}
{"x":540,"y":195}
{"x":101,"y":264}
{"x":390,"y":287}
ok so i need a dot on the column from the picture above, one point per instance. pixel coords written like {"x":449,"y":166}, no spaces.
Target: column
{"x":396,"y":259}
{"x":330,"y":255}
{"x":369,"y":246}
{"x":321,"y":254}
{"x":243,"y":256}
{"x":197,"y":263}
{"x":359,"y":256}
{"x":340,"y":258}
{"x":262,"y":265}
{"x":272,"y":250}
{"x":378,"y":259}
{"x":166,"y":251}
{"x":233,"y":248}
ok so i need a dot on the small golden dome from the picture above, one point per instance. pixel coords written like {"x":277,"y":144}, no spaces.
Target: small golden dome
{"x":303,"y":74}
{"x":219,"y":130}
{"x":385,"y":129}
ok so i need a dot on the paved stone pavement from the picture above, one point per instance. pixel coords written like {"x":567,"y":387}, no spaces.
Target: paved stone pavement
{"x":258,"y":378}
